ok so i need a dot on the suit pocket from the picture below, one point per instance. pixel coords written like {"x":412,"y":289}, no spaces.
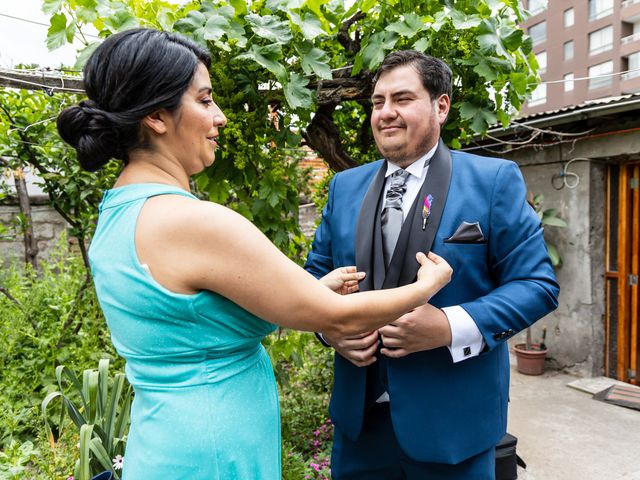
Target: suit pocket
{"x":466,"y":257}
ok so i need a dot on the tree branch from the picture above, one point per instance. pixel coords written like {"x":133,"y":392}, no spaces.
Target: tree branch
{"x":323,"y":136}
{"x":351,"y":45}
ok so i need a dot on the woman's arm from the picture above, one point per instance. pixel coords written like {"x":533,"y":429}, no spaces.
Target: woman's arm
{"x":191,"y":245}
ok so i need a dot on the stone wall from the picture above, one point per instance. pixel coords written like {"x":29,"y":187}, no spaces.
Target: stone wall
{"x":48,"y":226}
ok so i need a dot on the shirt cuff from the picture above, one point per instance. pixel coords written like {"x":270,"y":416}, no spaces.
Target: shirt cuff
{"x":466,"y":339}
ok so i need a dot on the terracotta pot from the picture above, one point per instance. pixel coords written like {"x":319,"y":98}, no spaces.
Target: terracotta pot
{"x":530,"y":362}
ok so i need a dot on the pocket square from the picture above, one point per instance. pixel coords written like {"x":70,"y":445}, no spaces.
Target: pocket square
{"x":467,"y":233}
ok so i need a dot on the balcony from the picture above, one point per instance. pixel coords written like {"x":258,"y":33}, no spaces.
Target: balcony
{"x":630,"y":82}
{"x":630,"y":11}
{"x":597,"y":15}
{"x":630,"y":44}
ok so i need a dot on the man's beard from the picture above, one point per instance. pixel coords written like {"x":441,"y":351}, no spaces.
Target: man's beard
{"x":402,"y":156}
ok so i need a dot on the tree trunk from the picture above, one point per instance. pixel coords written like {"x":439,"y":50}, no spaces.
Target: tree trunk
{"x":323,"y":136}
{"x":30,"y":245}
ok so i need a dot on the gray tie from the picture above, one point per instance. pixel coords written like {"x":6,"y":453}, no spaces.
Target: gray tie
{"x":392,"y":213}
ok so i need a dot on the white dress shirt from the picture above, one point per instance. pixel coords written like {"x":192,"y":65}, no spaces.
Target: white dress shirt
{"x":466,"y":339}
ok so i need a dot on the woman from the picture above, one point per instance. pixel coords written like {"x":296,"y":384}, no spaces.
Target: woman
{"x":189,"y":288}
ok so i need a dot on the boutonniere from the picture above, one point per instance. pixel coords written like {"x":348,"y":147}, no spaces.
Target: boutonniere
{"x":426,"y":210}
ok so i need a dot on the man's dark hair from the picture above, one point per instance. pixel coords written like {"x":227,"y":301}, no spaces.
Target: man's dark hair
{"x":435,"y":74}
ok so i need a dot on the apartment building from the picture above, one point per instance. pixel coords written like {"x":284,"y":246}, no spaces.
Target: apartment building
{"x":586,"y":49}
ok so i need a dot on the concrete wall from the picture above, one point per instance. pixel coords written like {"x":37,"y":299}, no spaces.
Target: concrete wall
{"x":575,"y":331}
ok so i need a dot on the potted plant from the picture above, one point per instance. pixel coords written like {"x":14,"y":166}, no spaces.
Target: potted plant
{"x":530,"y":356}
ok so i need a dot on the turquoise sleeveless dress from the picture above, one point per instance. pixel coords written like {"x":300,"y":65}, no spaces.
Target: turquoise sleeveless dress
{"x":206,"y":403}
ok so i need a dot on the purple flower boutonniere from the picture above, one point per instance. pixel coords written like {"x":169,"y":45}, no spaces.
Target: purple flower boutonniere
{"x":426,"y":210}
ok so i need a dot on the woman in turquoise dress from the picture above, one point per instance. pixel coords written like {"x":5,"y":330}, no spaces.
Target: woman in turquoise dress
{"x":189,"y":288}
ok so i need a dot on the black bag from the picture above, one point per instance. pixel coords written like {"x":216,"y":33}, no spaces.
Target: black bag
{"x":507,"y":460}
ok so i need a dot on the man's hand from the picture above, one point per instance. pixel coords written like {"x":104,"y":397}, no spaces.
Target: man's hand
{"x":343,"y":280}
{"x":358,"y":349}
{"x":424,"y":328}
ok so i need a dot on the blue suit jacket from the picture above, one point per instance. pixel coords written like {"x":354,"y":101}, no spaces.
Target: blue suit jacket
{"x":443,"y":411}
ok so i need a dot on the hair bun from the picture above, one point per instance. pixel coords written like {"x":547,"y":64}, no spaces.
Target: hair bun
{"x":89,"y":129}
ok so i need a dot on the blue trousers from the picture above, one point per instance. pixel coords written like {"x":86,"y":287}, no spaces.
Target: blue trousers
{"x":376,"y":455}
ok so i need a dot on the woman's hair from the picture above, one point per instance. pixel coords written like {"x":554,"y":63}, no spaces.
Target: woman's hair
{"x":129,"y":76}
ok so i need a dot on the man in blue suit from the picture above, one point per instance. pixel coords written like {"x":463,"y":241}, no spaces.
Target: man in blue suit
{"x":425,"y":397}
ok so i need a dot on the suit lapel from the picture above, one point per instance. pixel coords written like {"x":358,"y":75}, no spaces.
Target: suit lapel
{"x":367,"y":228}
{"x":403,"y":267}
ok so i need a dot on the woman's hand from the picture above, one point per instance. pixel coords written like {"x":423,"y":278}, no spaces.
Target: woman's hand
{"x":343,"y":280}
{"x":433,"y":269}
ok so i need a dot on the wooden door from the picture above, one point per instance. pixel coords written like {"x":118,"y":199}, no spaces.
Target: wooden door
{"x":622,"y":268}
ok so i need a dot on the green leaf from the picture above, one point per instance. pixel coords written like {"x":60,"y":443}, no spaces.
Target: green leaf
{"x":240,"y":7}
{"x":311,"y":26}
{"x":86,"y":432}
{"x":297,"y":93}
{"x":84,"y":54}
{"x":423,"y":44}
{"x":193,"y":22}
{"x":269,"y":27}
{"x":554,"y":255}
{"x":527,"y":45}
{"x":215,"y":27}
{"x":87,"y":10}
{"x":314,"y":60}
{"x":366,"y":5}
{"x":480,"y":117}
{"x":266,"y":57}
{"x":121,"y":20}
{"x":52,"y":6}
{"x":100,"y":453}
{"x":410,"y":26}
{"x":57,"y":33}
{"x":519,"y":82}
{"x":511,"y":37}
{"x":373,"y":52}
{"x":485,"y":70}
{"x":461,"y":21}
{"x":553,"y":222}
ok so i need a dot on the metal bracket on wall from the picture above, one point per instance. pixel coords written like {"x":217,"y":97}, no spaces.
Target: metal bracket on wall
{"x":633,"y":280}
{"x":634,"y":182}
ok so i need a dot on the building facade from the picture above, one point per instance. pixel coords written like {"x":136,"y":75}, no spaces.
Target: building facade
{"x":586,"y":50}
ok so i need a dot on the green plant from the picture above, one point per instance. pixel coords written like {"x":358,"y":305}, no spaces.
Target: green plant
{"x":549,"y":218}
{"x":102,"y":415}
{"x":16,"y":458}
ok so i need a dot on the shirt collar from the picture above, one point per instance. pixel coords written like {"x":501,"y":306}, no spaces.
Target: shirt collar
{"x":417,"y":167}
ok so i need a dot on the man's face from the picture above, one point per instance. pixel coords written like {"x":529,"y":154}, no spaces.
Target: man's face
{"x":405,"y":121}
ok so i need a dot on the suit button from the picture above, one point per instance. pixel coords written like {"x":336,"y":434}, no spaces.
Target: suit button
{"x":497,"y":336}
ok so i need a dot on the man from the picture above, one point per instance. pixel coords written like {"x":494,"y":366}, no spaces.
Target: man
{"x":425,"y":397}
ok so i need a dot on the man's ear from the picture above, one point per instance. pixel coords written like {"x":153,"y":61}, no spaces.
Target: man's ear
{"x":443,"y":104}
{"x":156,"y":122}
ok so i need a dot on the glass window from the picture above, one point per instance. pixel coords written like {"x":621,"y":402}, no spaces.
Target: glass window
{"x":601,"y":40}
{"x":600,"y":75}
{"x":633,"y":66}
{"x":542,"y":62}
{"x":538,"y":32}
{"x":539,"y":95}
{"x":600,"y":8}
{"x":568,"y":17}
{"x":537,"y":6}
{"x":568,"y":82}
{"x":568,"y":50}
